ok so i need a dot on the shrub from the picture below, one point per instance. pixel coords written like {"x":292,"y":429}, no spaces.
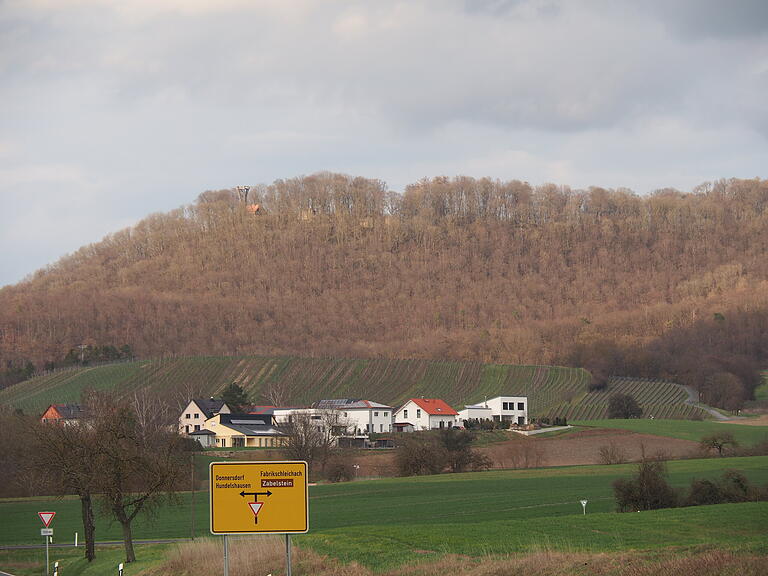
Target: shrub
{"x":721,"y":442}
{"x":611,"y":453}
{"x":420,"y":454}
{"x":732,"y":487}
{"x":339,"y":469}
{"x":623,"y":406}
{"x":648,"y":490}
{"x":431,"y":453}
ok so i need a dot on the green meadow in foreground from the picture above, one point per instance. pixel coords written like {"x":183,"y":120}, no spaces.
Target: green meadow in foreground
{"x":381,"y":523}
{"x":684,"y":429}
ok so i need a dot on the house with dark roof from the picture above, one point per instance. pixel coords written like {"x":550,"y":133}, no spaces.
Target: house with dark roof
{"x":198,"y":411}
{"x":238,"y":431}
{"x":63,"y":414}
{"x":426,"y":414}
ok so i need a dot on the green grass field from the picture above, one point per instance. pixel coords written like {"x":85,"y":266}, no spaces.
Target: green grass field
{"x":684,"y":429}
{"x":380,"y":523}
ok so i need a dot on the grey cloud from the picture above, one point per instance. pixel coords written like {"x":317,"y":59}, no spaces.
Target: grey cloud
{"x":697,"y":19}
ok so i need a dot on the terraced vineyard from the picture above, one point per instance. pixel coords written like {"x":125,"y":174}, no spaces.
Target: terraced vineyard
{"x":552,"y":390}
{"x":304,"y":380}
{"x":658,"y":398}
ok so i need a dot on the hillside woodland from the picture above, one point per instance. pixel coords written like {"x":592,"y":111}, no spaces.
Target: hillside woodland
{"x":669,"y":285}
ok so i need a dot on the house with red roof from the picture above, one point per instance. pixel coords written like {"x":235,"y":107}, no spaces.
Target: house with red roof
{"x":426,"y":414}
{"x":63,"y":414}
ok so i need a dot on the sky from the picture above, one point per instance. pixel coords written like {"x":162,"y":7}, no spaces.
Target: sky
{"x":113,"y":109}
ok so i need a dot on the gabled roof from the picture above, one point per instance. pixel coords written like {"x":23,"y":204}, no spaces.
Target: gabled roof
{"x":349,"y":404}
{"x":434,"y":406}
{"x":68,"y":411}
{"x":209,"y":406}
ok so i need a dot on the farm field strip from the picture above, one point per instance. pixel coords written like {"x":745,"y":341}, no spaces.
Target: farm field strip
{"x":683,"y":429}
{"x":382,"y":522}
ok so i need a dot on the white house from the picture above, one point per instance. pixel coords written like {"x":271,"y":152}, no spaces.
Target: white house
{"x":198,"y":410}
{"x":361,"y":416}
{"x":500,"y":409}
{"x":426,"y":414}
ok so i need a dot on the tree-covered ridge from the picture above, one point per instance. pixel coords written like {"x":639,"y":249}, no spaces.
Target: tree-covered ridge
{"x":665,"y":285}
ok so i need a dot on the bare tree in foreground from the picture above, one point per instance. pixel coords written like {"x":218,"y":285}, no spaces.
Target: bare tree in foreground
{"x":139,"y":460}
{"x":67,"y":459}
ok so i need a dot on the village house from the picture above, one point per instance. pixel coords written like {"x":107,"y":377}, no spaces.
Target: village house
{"x":238,"y":431}
{"x":198,"y":410}
{"x":499,"y":409}
{"x":66,"y":414}
{"x":362,"y":417}
{"x":425,"y":414}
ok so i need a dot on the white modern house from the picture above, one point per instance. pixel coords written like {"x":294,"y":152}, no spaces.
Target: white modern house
{"x":361,"y":416}
{"x":425,"y":414}
{"x":500,"y":409}
{"x":198,"y":410}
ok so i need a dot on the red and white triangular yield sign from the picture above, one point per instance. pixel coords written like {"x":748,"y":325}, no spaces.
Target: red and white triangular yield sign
{"x":255,"y":507}
{"x":46,"y":517}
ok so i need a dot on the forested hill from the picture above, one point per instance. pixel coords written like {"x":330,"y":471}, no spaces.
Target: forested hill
{"x":669,"y":284}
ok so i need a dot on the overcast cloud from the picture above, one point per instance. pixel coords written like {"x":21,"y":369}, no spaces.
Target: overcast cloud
{"x":113,"y":110}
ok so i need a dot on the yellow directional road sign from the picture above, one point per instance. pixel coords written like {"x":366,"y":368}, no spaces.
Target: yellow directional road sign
{"x":259,"y":497}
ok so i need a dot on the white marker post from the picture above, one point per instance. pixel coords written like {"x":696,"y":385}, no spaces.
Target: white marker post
{"x":120,"y":569}
{"x":56,"y":568}
{"x":584,"y":506}
{"x":75,"y":539}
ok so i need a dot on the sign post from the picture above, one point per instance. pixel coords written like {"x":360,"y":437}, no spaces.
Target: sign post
{"x":46,"y":532}
{"x":584,"y":506}
{"x":259,"y":498}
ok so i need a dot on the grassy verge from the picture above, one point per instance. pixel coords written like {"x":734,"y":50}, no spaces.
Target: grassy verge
{"x":72,"y":563}
{"x":684,"y":429}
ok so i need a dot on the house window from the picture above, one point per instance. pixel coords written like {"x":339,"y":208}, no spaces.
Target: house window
{"x":376,"y":414}
{"x":315,"y":417}
{"x":521,"y":405}
{"x":386,"y":414}
{"x":381,"y":427}
{"x":405,"y":413}
{"x":197,"y":416}
{"x":197,"y":427}
{"x":418,"y":412}
{"x":505,"y":405}
{"x":187,"y":416}
{"x":345,"y":414}
{"x":238,"y":442}
{"x":186,"y":429}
